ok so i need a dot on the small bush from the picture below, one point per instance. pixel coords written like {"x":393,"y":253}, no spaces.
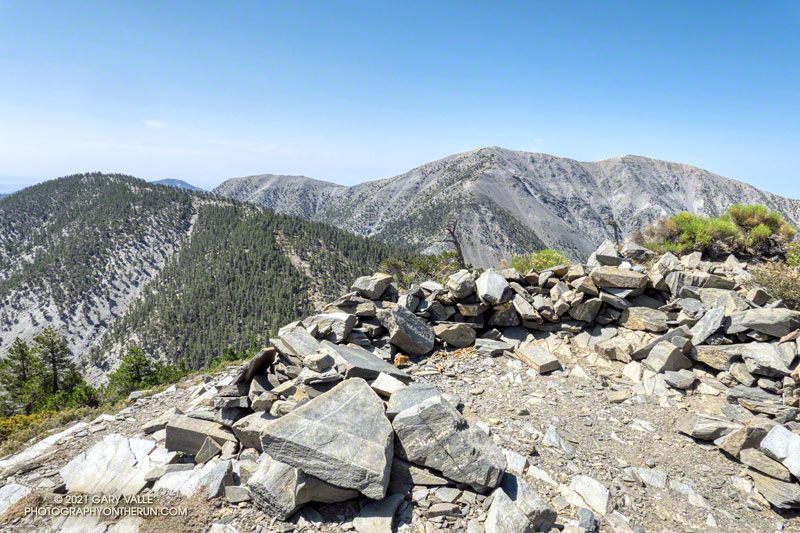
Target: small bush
{"x":539,"y":260}
{"x":793,"y":254}
{"x":744,"y":229}
{"x":781,"y":281}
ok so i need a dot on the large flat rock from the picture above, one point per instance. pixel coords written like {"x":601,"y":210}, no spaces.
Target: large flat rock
{"x":356,"y":362}
{"x":342,"y":437}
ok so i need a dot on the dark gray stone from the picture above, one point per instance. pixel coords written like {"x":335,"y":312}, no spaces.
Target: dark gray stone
{"x":434,"y":434}
{"x":341,"y":437}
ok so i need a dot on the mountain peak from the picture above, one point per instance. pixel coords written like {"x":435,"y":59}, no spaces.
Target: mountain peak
{"x":509,"y":204}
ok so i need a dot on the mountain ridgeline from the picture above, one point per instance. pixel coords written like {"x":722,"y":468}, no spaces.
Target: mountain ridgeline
{"x":111,"y":260}
{"x":507,"y":202}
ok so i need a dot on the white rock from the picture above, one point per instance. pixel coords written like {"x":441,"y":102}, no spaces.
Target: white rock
{"x":783,"y":446}
{"x":11,"y":494}
{"x":592,"y":492}
{"x":386,"y":385}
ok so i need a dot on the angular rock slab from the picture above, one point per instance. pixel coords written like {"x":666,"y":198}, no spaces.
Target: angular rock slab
{"x":406,"y":331}
{"x":187,"y":434}
{"x":779,"y":493}
{"x":341,"y":437}
{"x":644,"y":319}
{"x":257,"y":365}
{"x":493,"y":288}
{"x":434,"y":434}
{"x":517,"y":508}
{"x":461,"y":284}
{"x":414,"y":394}
{"x":608,"y":276}
{"x":356,"y":362}
{"x":594,"y":493}
{"x":707,"y":325}
{"x":115,"y":465}
{"x":372,"y":287}
{"x":377,"y":516}
{"x":706,"y":427}
{"x":775,"y":322}
{"x":783,"y":446}
{"x":280,"y":489}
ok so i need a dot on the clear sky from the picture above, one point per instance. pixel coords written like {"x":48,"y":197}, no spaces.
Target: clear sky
{"x":348,"y":92}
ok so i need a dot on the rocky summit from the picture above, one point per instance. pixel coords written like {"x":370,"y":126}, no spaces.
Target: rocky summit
{"x":632,"y":393}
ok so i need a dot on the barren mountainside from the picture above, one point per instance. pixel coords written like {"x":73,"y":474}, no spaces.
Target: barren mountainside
{"x":508,"y":202}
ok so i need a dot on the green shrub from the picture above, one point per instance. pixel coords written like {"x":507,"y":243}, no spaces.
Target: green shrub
{"x":539,"y":260}
{"x":743,"y":229}
{"x":793,"y":254}
{"x":758,"y":235}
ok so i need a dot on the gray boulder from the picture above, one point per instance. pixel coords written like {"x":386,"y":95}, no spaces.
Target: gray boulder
{"x":406,"y":331}
{"x":775,"y":322}
{"x":257,"y":365}
{"x":517,"y":508}
{"x":493,"y":288}
{"x":779,"y":493}
{"x":783,"y":446}
{"x":377,"y":516}
{"x":248,"y":429}
{"x":707,"y":325}
{"x":461,"y":284}
{"x":341,"y":437}
{"x":280,"y":489}
{"x":414,"y":394}
{"x":298,"y":341}
{"x":706,"y":427}
{"x":372,"y":287}
{"x":456,"y":335}
{"x":666,"y":356}
{"x":333,"y":326}
{"x":606,"y":254}
{"x":434,"y":434}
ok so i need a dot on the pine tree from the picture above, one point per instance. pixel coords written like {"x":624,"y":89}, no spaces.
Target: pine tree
{"x":59,"y":371}
{"x":19,"y":376}
{"x":135,"y":371}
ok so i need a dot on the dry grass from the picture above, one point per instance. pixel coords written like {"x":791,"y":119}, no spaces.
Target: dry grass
{"x":781,"y":281}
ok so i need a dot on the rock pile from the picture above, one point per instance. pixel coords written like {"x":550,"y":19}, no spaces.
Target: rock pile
{"x":327,"y":413}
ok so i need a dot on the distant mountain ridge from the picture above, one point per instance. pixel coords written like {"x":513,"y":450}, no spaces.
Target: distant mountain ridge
{"x":178,"y":184}
{"x":508,"y":202}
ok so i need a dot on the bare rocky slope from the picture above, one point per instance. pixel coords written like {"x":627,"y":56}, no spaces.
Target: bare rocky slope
{"x":508,"y":202}
{"x":608,"y":397}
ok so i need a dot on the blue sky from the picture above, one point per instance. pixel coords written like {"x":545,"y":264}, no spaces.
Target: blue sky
{"x":349,"y":92}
